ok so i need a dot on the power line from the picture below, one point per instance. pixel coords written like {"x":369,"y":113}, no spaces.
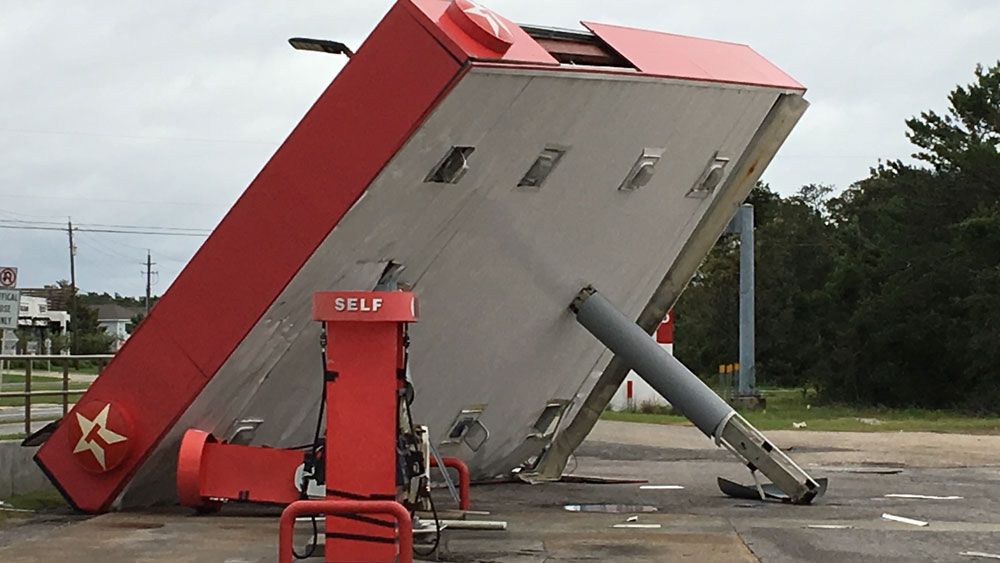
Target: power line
{"x":95,"y":243}
{"x":104,"y":225}
{"x":113,"y":231}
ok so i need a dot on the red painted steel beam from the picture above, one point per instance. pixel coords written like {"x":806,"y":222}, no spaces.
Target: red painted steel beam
{"x":345,"y":507}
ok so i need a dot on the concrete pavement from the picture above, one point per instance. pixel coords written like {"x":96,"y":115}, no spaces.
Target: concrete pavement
{"x":696,"y":523}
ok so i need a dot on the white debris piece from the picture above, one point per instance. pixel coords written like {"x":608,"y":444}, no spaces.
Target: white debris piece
{"x":980,"y":554}
{"x":632,"y":519}
{"x":661,"y":487}
{"x":925,"y":497}
{"x":647,"y":526}
{"x":799,"y":424}
{"x":903,"y":519}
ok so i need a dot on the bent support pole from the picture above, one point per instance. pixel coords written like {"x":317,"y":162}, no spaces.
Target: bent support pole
{"x":690,"y":395}
{"x":345,"y":507}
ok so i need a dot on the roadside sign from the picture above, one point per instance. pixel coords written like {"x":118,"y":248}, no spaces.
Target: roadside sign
{"x":9,"y":346}
{"x":10,"y":301}
{"x":8,"y":277}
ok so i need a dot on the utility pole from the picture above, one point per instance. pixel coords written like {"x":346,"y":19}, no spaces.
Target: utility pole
{"x":72,"y":284}
{"x":149,"y":278}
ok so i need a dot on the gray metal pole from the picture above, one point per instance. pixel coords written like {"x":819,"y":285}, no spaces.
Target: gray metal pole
{"x":748,"y":370}
{"x":664,"y":373}
{"x":688,"y":394}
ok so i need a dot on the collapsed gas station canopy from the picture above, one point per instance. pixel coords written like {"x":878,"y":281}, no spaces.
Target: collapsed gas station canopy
{"x":504,"y":167}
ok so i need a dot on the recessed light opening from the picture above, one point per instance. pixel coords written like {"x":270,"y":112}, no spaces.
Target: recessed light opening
{"x":452,"y":167}
{"x":542,"y":167}
{"x":642,"y":171}
{"x":710,"y":178}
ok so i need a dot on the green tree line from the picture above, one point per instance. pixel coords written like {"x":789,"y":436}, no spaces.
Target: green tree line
{"x":885,"y":294}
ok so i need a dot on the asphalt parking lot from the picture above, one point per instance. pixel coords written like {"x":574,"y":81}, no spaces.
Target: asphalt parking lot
{"x":693,"y":523}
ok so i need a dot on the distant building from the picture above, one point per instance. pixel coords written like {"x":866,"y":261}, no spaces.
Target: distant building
{"x":35,"y":314}
{"x":115,"y":319}
{"x":37,"y":318}
{"x":56,"y":296}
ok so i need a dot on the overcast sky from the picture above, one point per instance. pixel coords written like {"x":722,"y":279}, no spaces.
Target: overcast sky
{"x":160,"y":113}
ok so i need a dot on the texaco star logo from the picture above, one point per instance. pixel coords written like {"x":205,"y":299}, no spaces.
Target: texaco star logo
{"x":482,"y":24}
{"x":98,"y":434}
{"x":500,"y":29}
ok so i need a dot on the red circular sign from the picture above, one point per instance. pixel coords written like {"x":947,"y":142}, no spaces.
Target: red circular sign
{"x":482,"y":24}
{"x":99,"y":435}
{"x":8,"y":277}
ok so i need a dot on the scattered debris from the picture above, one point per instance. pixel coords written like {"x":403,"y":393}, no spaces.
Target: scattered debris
{"x":870,"y":421}
{"x":864,"y":470}
{"x":903,"y":519}
{"x":615,"y":508}
{"x":981,"y":554}
{"x":649,"y":526}
{"x":593,"y":480}
{"x":829,"y":526}
{"x":632,"y":519}
{"x":7,"y":507}
{"x":798,"y":425}
{"x":661,"y":487}
{"x":924,"y":497}
{"x":769,"y":491}
{"x":497,"y":525}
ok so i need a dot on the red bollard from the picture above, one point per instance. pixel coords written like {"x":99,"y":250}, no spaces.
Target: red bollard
{"x":463,"y":478}
{"x":326,"y":507}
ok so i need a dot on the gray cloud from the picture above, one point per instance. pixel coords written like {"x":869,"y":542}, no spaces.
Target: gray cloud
{"x":161,"y":113}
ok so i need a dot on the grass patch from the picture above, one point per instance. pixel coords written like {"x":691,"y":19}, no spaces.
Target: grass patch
{"x":19,"y":378}
{"x":38,"y":501}
{"x":788,"y":406}
{"x":37,"y":384}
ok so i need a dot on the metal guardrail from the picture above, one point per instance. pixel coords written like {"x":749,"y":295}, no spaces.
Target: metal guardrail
{"x":28,"y":393}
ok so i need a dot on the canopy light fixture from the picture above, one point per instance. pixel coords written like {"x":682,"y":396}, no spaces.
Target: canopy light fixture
{"x":641,"y":172}
{"x":542,"y":167}
{"x":321,"y":45}
{"x":452,"y":167}
{"x":711,"y":177}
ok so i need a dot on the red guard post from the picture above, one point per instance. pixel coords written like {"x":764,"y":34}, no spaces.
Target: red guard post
{"x":463,"y":478}
{"x":346,"y":507}
{"x":363,"y":374}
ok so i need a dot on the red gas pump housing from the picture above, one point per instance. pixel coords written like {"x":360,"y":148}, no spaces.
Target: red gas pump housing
{"x":364,"y":372}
